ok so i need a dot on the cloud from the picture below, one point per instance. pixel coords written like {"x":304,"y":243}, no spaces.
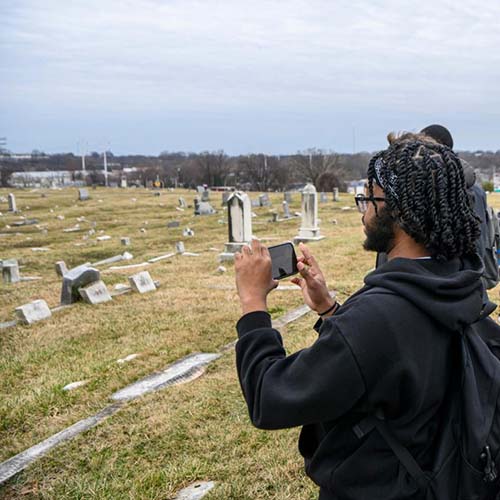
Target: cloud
{"x":349,"y":59}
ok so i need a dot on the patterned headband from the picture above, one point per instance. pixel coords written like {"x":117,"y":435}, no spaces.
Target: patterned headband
{"x":390,"y":177}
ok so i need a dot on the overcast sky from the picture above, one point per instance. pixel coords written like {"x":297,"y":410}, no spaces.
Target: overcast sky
{"x":146,"y":76}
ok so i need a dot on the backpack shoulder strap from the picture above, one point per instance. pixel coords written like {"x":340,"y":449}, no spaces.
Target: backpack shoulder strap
{"x":372,"y":422}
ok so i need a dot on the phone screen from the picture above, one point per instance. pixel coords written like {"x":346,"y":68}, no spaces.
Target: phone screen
{"x":284,"y":260}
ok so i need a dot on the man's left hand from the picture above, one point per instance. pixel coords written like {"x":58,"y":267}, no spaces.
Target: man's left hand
{"x":253,"y":277}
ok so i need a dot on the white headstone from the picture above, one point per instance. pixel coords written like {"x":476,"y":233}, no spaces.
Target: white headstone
{"x":33,"y":311}
{"x":182,"y":202}
{"x":309,"y":229}
{"x":123,"y":182}
{"x":12,"y":203}
{"x":240,"y":224}
{"x":323,"y":197}
{"x":95,"y":293}
{"x":142,"y":282}
{"x":335,"y":194}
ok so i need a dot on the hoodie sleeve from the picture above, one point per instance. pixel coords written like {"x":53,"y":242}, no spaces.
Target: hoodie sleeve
{"x":316,"y":384}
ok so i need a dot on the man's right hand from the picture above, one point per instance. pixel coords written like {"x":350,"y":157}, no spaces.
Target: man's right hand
{"x":312,"y":282}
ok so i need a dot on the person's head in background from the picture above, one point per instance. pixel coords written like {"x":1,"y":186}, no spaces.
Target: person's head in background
{"x":425,"y":201}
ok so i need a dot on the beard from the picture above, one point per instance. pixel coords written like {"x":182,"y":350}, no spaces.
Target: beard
{"x":380,"y":232}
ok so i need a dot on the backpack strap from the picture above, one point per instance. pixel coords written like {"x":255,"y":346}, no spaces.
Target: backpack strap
{"x":371,"y":422}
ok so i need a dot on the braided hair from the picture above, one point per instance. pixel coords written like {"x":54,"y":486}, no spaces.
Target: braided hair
{"x":424,"y":190}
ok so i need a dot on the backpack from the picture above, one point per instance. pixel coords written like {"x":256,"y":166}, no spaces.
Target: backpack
{"x":490,"y":258}
{"x":466,"y":458}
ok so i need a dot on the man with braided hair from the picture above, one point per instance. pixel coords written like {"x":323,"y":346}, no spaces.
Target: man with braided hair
{"x":387,"y":349}
{"x":487,"y":242}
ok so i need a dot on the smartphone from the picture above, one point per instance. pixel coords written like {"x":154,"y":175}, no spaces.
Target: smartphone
{"x":284,"y":260}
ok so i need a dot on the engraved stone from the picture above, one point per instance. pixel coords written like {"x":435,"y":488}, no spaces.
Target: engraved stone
{"x":142,"y":282}
{"x":33,"y":312}
{"x":95,"y":293}
{"x":83,"y":195}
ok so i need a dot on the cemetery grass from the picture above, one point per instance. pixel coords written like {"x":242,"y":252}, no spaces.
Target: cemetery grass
{"x":161,"y":442}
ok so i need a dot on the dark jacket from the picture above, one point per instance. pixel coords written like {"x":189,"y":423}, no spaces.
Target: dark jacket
{"x":388,"y":348}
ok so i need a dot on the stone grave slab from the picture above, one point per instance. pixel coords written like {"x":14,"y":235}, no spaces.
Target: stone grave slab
{"x":33,"y":311}
{"x":195,"y":491}
{"x":173,"y":224}
{"x":181,"y":371}
{"x":95,"y":293}
{"x":10,"y":271}
{"x":142,"y":282}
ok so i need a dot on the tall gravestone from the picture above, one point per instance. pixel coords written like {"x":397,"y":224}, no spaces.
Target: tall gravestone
{"x":286,"y":210}
{"x":239,"y":211}
{"x":309,"y":229}
{"x":264,"y":200}
{"x":12,"y":203}
{"x":335,"y":194}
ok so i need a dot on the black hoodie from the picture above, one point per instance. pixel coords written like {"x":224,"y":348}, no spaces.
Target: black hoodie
{"x":388,"y":348}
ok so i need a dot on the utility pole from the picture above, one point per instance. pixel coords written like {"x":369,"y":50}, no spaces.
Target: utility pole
{"x":105,"y":169}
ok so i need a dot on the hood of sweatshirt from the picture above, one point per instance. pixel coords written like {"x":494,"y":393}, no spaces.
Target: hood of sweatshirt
{"x":450,"y":292}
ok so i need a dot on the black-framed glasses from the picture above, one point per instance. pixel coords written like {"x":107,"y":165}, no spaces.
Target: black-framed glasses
{"x":362,"y":201}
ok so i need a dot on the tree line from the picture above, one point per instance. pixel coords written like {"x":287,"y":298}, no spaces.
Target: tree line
{"x":259,"y":172}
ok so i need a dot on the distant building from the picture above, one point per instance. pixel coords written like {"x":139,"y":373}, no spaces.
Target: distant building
{"x":54,"y":178}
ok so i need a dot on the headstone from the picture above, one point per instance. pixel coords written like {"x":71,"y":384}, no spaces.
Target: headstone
{"x":240,"y":224}
{"x":336,"y":194}
{"x":202,"y":208}
{"x":125,"y":241}
{"x":200,"y":189}
{"x":179,"y":247}
{"x":182,"y":202}
{"x":274,"y":217}
{"x":10,"y":271}
{"x":264,"y":200}
{"x":83,"y":194}
{"x":205,"y":195}
{"x":123,"y":182}
{"x":188,"y":232}
{"x":74,"y":279}
{"x":286,"y":210}
{"x":12,"y":203}
{"x":25,"y":222}
{"x":61,"y":268}
{"x":287,"y":196}
{"x":142,"y":282}
{"x":33,"y":312}
{"x":323,"y":198}
{"x":95,"y":293}
{"x":172,"y":224}
{"x":309,"y":229}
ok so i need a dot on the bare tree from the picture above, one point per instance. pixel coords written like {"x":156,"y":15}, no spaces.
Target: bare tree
{"x":313,"y":163}
{"x":214,"y":165}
